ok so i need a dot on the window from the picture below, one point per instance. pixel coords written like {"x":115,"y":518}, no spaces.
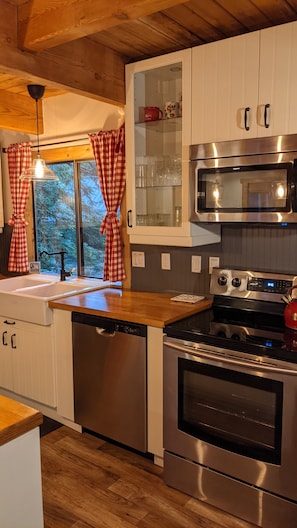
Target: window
{"x":68,"y":215}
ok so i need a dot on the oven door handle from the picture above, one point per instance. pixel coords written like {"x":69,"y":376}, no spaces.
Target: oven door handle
{"x":237,"y":362}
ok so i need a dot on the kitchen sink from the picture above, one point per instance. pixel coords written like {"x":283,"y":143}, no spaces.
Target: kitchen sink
{"x":26,"y":297}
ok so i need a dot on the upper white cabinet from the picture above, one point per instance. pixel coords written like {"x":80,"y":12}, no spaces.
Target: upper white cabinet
{"x":245,"y":86}
{"x":158,"y":124}
{"x":225,"y":89}
{"x":278,"y":80}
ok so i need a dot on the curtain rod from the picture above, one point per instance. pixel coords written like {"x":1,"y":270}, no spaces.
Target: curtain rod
{"x":4,"y":149}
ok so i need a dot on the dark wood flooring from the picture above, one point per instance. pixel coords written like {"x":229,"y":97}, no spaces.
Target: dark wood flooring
{"x":90,"y":483}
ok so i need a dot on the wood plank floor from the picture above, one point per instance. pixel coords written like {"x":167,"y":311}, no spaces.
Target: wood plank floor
{"x":90,"y":483}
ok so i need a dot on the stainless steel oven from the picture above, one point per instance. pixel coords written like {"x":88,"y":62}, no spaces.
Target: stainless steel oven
{"x":252,"y":180}
{"x":230,"y":402}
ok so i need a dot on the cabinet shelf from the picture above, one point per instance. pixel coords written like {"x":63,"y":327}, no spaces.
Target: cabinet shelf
{"x":159,"y":186}
{"x":162,"y":125}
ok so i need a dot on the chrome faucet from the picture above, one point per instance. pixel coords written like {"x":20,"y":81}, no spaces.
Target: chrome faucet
{"x":63,"y":272}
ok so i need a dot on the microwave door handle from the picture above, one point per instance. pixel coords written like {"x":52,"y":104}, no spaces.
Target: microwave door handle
{"x":236,"y":362}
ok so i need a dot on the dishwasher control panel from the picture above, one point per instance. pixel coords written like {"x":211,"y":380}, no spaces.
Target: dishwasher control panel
{"x":110,"y":325}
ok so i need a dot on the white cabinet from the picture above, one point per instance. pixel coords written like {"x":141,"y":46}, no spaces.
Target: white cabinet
{"x":27,"y":360}
{"x":7,"y":345}
{"x":158,"y":124}
{"x":225,"y":89}
{"x":278,"y":79}
{"x":245,"y":86}
{"x":1,"y":199}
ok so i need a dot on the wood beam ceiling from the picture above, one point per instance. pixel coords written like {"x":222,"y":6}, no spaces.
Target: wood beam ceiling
{"x":44,"y":24}
{"x":19,"y":113}
{"x":83,"y":66}
{"x":47,"y":42}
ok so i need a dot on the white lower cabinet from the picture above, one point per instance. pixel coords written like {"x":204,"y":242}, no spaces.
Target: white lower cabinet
{"x":27,"y":365}
{"x":155,"y":393}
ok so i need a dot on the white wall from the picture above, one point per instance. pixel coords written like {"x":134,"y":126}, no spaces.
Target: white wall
{"x":65,"y":117}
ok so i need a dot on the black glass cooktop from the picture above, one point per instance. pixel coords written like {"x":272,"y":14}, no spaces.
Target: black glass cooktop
{"x":253,"y":327}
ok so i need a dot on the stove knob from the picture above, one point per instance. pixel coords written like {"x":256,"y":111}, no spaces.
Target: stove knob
{"x":236,"y":282}
{"x":236,"y":337}
{"x":221,"y":333}
{"x":222,"y":280}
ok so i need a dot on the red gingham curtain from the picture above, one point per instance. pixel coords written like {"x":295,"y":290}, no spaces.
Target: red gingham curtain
{"x":109,"y":153}
{"x":19,"y":159}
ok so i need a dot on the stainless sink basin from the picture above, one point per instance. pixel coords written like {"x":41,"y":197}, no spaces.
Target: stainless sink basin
{"x":26,"y":297}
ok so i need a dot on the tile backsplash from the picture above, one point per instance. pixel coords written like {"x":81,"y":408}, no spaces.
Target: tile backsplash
{"x":258,"y":248}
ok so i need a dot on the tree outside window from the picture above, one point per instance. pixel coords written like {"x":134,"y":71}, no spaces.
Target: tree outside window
{"x":68,"y":215}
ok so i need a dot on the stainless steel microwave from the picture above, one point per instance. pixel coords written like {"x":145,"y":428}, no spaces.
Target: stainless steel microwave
{"x":248,"y":181}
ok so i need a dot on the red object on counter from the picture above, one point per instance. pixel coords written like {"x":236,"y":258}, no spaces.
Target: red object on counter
{"x":290,"y":315}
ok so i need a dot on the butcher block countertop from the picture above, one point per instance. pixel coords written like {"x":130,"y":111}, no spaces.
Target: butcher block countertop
{"x":151,"y":309}
{"x":16,"y":419}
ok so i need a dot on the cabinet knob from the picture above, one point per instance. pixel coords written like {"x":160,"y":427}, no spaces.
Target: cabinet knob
{"x":246,"y":113}
{"x":128,"y":218}
{"x":4,"y":342}
{"x":266,"y":107}
{"x":13,"y":341}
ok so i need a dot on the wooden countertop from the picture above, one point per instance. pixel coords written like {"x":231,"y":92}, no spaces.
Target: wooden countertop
{"x":152,"y":309}
{"x":16,"y":419}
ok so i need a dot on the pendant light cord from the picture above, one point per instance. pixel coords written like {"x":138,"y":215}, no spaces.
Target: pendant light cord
{"x":37,"y":126}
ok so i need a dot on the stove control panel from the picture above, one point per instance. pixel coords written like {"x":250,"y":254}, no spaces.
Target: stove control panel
{"x":251,"y":284}
{"x":269,"y":285}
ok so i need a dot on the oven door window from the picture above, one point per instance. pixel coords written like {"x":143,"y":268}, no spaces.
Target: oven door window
{"x":245,"y":189}
{"x":233,"y":410}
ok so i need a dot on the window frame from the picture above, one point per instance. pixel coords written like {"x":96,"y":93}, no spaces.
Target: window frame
{"x":82,"y":152}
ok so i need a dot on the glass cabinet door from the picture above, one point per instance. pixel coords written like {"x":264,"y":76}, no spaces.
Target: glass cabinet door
{"x":158,"y":146}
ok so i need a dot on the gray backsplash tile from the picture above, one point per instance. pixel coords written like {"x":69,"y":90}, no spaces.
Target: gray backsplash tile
{"x":256,"y":247}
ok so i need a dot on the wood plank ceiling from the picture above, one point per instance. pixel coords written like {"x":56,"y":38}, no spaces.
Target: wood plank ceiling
{"x":82,"y":46}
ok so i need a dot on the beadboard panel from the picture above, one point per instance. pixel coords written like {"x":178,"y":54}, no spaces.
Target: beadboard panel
{"x":258,"y":248}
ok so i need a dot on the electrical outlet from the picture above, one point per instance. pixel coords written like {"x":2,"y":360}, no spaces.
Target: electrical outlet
{"x":165,"y":261}
{"x":196,"y":264}
{"x":213,"y":262}
{"x":138,"y":260}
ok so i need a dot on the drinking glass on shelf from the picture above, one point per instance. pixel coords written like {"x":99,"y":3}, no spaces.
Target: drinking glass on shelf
{"x":140,"y":175}
{"x":141,"y":220}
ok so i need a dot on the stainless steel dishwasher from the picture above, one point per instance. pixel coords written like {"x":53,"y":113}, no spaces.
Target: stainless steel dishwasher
{"x":109,"y":367}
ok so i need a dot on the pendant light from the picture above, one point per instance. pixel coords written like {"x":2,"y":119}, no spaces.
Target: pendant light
{"x":38,"y":170}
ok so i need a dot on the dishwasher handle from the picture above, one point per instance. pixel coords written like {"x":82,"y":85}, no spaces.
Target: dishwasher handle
{"x":104,"y":332}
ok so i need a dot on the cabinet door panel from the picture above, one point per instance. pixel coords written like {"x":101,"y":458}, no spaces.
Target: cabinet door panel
{"x":6,"y":378}
{"x":33,"y":363}
{"x":6,"y":354}
{"x":278,"y":79}
{"x":157,"y":153}
{"x":224,"y":83}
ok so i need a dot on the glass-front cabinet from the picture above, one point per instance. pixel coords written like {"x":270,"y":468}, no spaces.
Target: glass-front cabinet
{"x":158,"y":127}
